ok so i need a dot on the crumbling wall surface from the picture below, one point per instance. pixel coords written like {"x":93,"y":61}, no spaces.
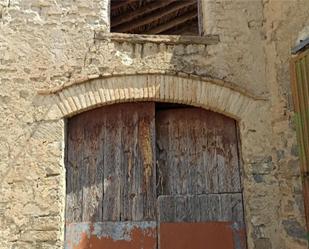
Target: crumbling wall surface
{"x":49,"y":43}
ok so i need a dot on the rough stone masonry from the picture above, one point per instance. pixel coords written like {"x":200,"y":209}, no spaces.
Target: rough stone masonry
{"x":53,"y":65}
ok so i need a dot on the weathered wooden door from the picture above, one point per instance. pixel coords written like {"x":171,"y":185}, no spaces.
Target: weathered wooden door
{"x":144,"y":177}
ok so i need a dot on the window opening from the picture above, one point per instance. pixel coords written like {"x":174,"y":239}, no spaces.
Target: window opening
{"x":156,"y":17}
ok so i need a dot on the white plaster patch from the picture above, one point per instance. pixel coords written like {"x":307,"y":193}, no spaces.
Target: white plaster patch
{"x":304,"y":34}
{"x":125,"y":59}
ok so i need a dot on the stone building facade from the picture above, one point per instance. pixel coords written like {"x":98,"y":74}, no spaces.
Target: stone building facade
{"x":58,"y":59}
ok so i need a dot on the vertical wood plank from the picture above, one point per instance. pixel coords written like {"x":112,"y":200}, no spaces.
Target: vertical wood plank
{"x":210,"y":207}
{"x":193,"y":208}
{"x":166,"y":208}
{"x":74,"y":186}
{"x":147,"y":150}
{"x":92,"y":169}
{"x":112,"y":170}
{"x":128,"y":161}
{"x":181,"y":208}
{"x":231,"y":207}
{"x":131,"y":195}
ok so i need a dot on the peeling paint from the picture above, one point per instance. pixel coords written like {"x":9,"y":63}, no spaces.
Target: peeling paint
{"x":109,"y":235}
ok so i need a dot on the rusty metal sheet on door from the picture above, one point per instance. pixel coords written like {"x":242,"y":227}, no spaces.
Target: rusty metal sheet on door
{"x":112,"y":235}
{"x":201,"y":235}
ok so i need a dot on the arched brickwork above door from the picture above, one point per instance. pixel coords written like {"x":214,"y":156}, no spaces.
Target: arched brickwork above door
{"x":207,"y":93}
{"x":251,"y":112}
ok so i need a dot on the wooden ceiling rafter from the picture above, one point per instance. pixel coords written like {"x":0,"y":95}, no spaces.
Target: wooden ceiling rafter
{"x":182,"y":28}
{"x":153,"y":17}
{"x":129,"y":16}
{"x":121,"y":3}
{"x":174,"y":22}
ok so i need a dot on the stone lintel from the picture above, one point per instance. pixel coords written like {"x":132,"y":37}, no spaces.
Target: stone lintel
{"x":166,"y":39}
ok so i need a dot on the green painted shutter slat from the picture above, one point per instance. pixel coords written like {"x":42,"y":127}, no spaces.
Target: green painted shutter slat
{"x":300,"y":87}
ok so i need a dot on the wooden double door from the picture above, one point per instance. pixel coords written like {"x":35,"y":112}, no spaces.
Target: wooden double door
{"x":149,"y":175}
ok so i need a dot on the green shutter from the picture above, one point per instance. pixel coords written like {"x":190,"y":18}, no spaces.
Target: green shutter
{"x":300,"y":90}
{"x":300,"y":87}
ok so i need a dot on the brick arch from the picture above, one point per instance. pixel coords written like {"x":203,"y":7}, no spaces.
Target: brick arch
{"x":210,"y":94}
{"x":215,"y":95}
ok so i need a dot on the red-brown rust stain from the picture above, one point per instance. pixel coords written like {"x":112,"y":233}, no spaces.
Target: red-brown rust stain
{"x":139,"y":239}
{"x":202,"y":235}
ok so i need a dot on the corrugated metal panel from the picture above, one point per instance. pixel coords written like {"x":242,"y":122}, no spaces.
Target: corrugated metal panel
{"x":300,"y":90}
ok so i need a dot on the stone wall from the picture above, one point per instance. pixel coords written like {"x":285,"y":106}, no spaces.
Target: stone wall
{"x":52,"y":45}
{"x":259,"y":35}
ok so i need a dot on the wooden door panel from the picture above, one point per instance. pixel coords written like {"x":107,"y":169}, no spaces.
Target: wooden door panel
{"x":74,"y":186}
{"x":92,"y":170}
{"x":199,"y":189}
{"x":196,"y":152}
{"x":200,"y":208}
{"x":111,"y":164}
